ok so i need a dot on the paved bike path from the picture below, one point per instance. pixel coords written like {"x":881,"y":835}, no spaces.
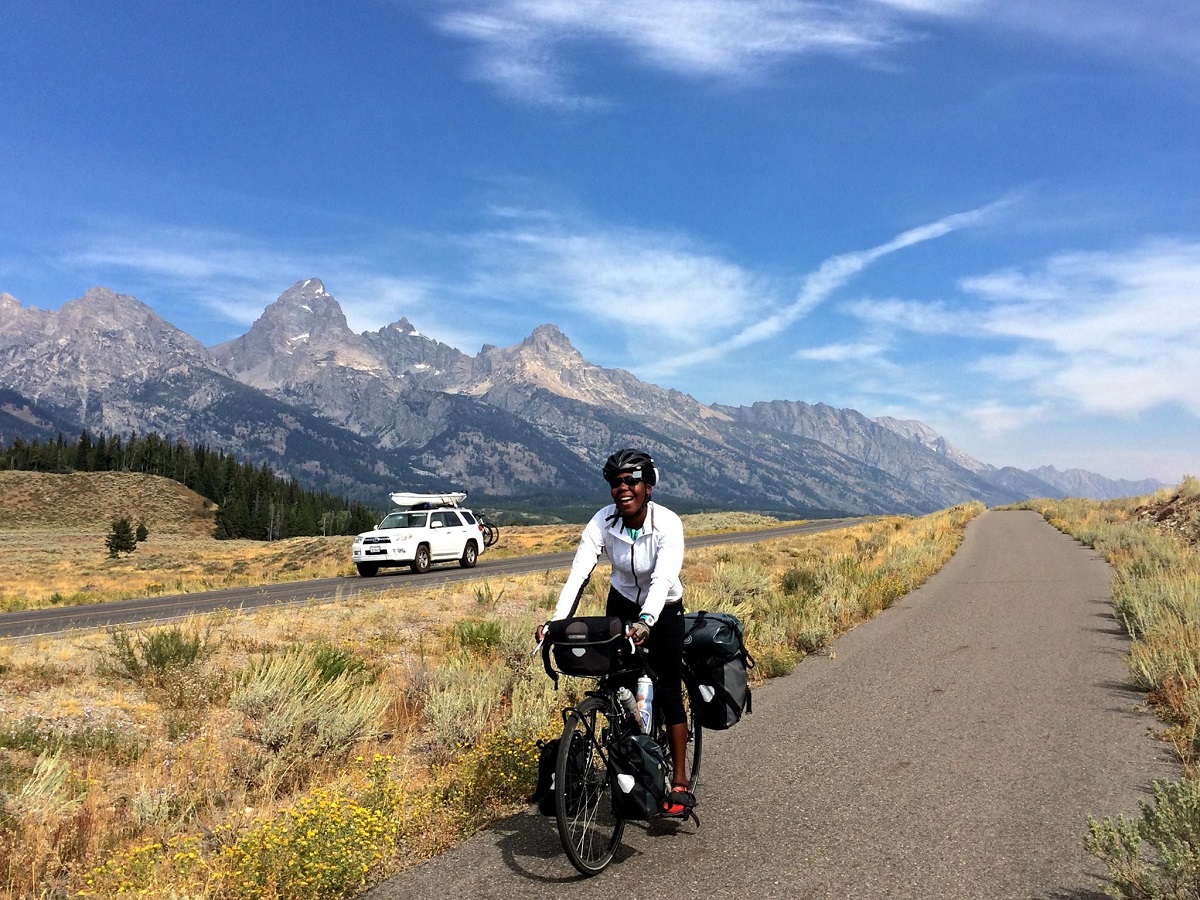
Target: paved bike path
{"x":951,"y":748}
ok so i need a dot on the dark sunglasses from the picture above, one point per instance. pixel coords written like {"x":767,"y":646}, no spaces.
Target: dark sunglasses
{"x":627,"y":480}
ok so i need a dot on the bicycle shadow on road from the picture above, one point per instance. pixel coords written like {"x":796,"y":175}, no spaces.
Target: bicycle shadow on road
{"x":530,"y":848}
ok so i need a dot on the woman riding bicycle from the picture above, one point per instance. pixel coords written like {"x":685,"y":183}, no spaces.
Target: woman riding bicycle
{"x":644,"y":543}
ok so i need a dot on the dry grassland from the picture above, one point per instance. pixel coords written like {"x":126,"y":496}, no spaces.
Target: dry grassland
{"x":52,"y":551}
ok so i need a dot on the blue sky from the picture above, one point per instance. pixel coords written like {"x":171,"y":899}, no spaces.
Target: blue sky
{"x":983,"y":214}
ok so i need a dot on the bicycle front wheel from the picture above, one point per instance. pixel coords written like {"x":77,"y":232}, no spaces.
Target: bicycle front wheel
{"x":589,"y":829}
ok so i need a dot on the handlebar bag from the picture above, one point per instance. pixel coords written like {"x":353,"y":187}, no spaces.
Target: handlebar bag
{"x":586,"y":645}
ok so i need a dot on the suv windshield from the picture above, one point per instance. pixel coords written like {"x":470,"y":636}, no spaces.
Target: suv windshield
{"x":403,"y":520}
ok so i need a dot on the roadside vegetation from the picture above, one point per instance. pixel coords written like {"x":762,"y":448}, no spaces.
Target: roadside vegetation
{"x":309,"y":751}
{"x":1153,"y":544}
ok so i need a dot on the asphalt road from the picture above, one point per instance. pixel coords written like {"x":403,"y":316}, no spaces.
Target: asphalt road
{"x":951,"y":748}
{"x":164,"y":608}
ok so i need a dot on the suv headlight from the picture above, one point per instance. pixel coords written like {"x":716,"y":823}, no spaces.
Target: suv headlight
{"x":358,"y":539}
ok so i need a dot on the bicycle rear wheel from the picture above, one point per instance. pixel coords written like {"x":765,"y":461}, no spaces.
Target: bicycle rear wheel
{"x":695,"y":741}
{"x":589,"y":830}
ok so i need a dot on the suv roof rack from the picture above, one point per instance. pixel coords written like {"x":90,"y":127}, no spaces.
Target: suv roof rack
{"x":414,"y":500}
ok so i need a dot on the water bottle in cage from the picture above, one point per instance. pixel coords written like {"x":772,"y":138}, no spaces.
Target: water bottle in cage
{"x":625,"y":695}
{"x":645,"y":702}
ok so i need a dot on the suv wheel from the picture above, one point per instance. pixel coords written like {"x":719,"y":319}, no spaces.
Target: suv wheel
{"x":420,"y":562}
{"x":366,"y":570}
{"x":470,"y":556}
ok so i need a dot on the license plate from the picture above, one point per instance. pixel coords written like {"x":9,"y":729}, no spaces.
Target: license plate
{"x":376,"y":552}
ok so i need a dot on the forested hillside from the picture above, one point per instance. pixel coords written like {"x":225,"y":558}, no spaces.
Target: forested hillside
{"x":252,"y":502}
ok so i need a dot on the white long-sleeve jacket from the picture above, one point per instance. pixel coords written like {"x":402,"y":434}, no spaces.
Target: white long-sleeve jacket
{"x":645,"y":571}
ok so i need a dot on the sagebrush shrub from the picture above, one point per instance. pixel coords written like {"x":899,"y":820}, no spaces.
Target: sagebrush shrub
{"x":1157,"y":855}
{"x":294,"y":711}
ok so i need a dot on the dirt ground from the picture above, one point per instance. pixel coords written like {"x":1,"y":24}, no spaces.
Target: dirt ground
{"x":1178,"y":514}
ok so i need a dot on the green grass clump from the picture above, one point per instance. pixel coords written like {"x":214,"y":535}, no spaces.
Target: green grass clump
{"x":152,"y":653}
{"x":478,"y":636}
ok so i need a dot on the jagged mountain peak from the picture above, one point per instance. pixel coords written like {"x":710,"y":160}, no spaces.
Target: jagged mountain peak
{"x":102,"y":307}
{"x":304,"y":323}
{"x":548,"y":361}
{"x":921,"y":433}
{"x":18,"y":323}
{"x":1081,"y":483}
{"x":303,"y":311}
{"x":548,"y":335}
{"x":549,"y":342}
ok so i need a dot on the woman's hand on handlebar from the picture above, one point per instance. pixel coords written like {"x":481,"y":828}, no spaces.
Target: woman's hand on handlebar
{"x":539,"y":633}
{"x":638,"y":632}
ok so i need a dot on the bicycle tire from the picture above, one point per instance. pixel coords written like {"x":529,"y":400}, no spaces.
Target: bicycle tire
{"x":491,"y":534}
{"x":589,"y":829}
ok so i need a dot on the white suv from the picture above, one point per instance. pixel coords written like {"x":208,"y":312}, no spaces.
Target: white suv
{"x":419,"y":537}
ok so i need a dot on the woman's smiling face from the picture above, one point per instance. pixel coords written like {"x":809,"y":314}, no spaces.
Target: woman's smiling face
{"x":629,"y":493}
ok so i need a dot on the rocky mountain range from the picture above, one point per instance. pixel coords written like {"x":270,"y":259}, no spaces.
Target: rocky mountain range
{"x":366,"y":414}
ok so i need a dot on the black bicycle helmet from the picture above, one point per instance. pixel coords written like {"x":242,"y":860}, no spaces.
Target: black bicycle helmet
{"x":630,"y":460}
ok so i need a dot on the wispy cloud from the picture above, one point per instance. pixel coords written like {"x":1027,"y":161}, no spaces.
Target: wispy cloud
{"x":1157,"y":32}
{"x":933,"y":317}
{"x":995,"y":419}
{"x":633,"y":282}
{"x":842,"y":352}
{"x":820,"y":284}
{"x":1108,"y":333}
{"x":1120,"y":331}
{"x":524,"y":46}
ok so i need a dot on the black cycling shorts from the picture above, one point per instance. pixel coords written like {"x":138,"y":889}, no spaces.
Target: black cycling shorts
{"x":665,"y":649}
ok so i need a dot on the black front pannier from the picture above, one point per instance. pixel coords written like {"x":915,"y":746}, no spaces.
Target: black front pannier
{"x":577,"y":768}
{"x":639,"y":777}
{"x":717,"y":666}
{"x":585,"y":645}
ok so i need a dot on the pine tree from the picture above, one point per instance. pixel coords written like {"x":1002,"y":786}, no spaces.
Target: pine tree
{"x":142,"y":532}
{"x":121,"y":539}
